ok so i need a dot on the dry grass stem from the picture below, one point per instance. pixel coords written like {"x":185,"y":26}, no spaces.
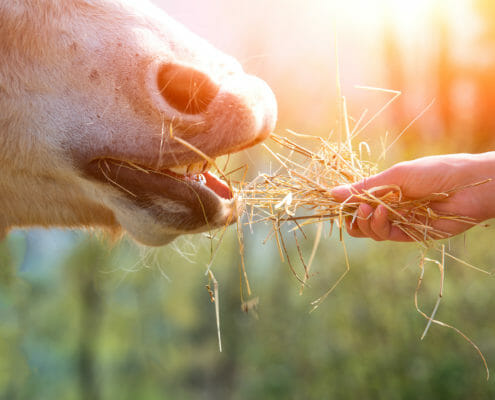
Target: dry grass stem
{"x":431,"y":319}
{"x":300,"y":191}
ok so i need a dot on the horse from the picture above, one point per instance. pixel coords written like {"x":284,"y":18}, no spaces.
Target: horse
{"x":98,"y":99}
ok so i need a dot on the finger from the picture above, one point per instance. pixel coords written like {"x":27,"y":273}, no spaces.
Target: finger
{"x":364,"y":214}
{"x":347,"y":193}
{"x":352,"y":228}
{"x":397,"y":235}
{"x":382,"y":227}
{"x":380,"y":224}
{"x":342,"y":193}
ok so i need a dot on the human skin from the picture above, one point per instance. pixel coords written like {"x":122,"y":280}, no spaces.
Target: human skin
{"x":421,"y":178}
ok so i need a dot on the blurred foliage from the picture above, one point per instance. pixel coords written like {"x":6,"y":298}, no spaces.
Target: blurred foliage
{"x":84,"y":319}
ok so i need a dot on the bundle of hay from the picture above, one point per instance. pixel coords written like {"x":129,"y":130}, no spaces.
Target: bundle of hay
{"x":299,"y":193}
{"x":300,"y":190}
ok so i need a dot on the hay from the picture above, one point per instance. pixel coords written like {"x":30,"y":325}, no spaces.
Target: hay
{"x":299,"y":193}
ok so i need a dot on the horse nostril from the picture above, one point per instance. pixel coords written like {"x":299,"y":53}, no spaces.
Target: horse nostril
{"x":186,"y":89}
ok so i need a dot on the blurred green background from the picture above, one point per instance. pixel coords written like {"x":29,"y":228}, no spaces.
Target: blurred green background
{"x":84,"y":320}
{"x":81,"y":318}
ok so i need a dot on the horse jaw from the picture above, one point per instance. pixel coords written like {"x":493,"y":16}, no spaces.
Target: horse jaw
{"x":78,"y":83}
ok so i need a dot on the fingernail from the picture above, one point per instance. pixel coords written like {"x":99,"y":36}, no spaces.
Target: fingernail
{"x":362,"y":212}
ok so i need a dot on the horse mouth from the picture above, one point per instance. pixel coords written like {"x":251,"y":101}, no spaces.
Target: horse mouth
{"x":198,"y":199}
{"x":200,"y":172}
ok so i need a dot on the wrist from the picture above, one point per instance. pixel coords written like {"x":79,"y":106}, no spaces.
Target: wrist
{"x":482,"y":168}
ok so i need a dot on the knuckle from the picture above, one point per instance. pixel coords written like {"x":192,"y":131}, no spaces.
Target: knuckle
{"x":354,"y":232}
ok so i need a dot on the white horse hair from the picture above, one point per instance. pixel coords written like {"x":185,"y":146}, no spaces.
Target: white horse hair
{"x":89,"y":93}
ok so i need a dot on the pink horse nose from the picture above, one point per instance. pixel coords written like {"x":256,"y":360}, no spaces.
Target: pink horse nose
{"x":186,"y":89}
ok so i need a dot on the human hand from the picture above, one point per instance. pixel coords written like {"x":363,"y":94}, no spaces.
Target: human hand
{"x":421,"y":178}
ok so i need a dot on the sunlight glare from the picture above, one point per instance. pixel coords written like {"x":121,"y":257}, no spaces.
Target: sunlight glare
{"x":407,"y":16}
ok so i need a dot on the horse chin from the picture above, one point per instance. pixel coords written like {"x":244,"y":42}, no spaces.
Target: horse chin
{"x":155,"y":206}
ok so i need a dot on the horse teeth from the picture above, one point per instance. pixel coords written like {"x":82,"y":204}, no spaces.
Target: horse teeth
{"x":181,"y":170}
{"x":192,"y":169}
{"x":195,"y":168}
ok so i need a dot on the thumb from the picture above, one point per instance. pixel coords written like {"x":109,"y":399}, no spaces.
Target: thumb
{"x":346,"y":192}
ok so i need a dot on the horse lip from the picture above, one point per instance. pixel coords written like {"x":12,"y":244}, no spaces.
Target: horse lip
{"x":204,"y":194}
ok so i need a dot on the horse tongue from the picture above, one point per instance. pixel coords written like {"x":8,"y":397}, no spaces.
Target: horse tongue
{"x":218,"y":186}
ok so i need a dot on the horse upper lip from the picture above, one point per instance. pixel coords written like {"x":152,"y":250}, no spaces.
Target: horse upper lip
{"x":183,"y":168}
{"x":123,"y":175}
